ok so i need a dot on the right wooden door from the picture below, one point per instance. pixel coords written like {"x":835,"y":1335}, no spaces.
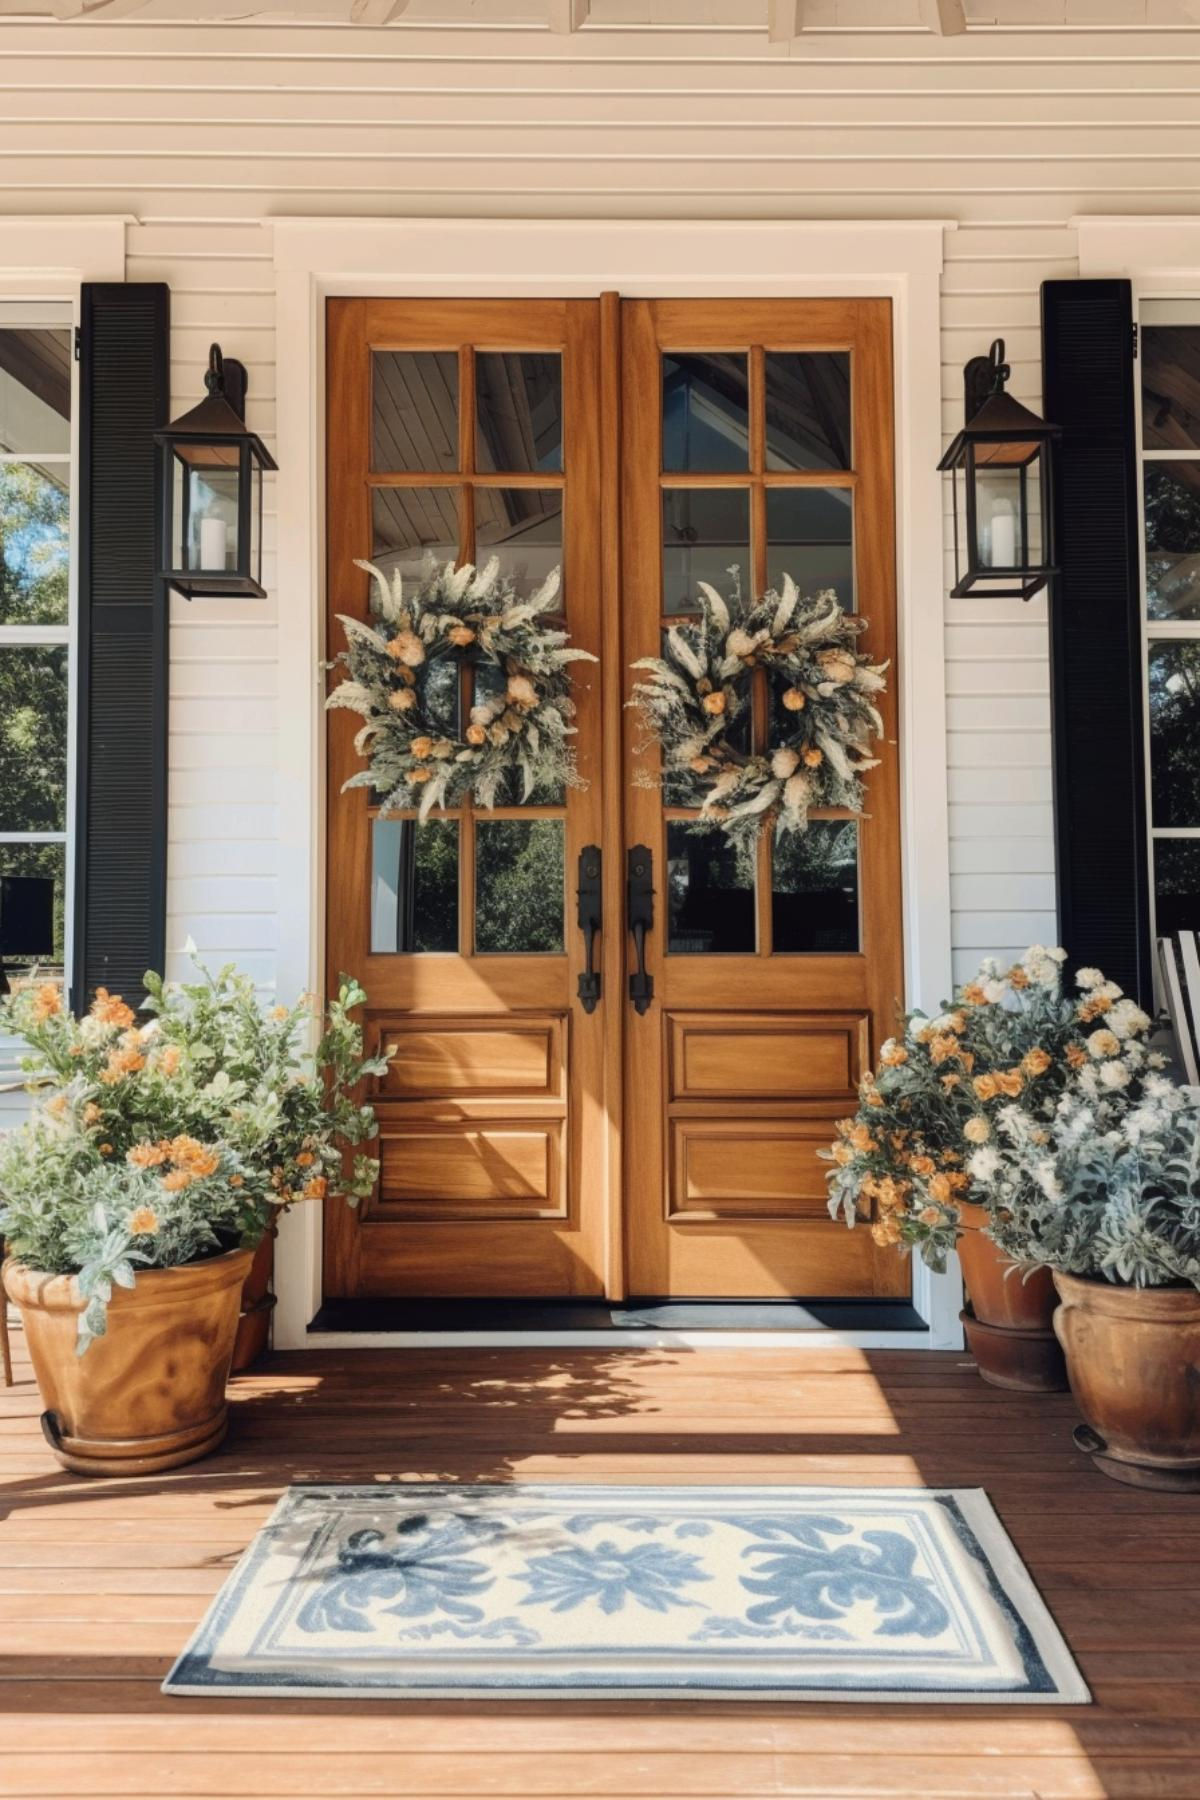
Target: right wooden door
{"x":757,"y":434}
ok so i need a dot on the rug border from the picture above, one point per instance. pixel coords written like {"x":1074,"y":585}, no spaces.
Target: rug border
{"x":1008,"y":1570}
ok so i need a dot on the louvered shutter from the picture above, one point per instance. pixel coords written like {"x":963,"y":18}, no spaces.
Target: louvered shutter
{"x":1095,"y":632}
{"x":121,"y":787}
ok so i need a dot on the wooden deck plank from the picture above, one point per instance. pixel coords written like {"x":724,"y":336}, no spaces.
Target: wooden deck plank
{"x":101,"y":1582}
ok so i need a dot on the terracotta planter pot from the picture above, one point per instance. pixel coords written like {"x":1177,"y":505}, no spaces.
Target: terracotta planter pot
{"x":150,"y":1393}
{"x":258,"y":1303}
{"x":1009,"y":1324}
{"x":1133,"y":1356}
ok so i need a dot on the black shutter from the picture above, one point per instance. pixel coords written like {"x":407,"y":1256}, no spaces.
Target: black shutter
{"x":121,"y":787}
{"x":1095,"y":632}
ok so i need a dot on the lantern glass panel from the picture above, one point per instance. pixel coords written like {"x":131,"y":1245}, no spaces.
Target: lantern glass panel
{"x":205,"y":508}
{"x":999,"y":517}
{"x":256,"y":510}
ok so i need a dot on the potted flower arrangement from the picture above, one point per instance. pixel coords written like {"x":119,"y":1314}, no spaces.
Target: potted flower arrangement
{"x":926,"y":1155}
{"x":1113,"y":1208}
{"x":134,"y":1197}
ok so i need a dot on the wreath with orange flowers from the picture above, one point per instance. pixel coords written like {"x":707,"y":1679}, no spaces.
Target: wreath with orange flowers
{"x":695,"y":702}
{"x":403,"y":672}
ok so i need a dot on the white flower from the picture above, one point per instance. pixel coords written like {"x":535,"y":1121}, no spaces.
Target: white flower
{"x":785,"y":762}
{"x":1157,"y":1060}
{"x":1048,"y":1181}
{"x":977,"y":1130}
{"x":1127,"y":1019}
{"x":1103,"y":1043}
{"x":1089,"y":978}
{"x":1089,"y":1081}
{"x":995,"y":991}
{"x":1114,"y":1075}
{"x":985,"y":1165}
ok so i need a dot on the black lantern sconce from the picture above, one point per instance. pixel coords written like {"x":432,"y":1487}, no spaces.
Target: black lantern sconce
{"x":1001,"y":470}
{"x":212,"y":499}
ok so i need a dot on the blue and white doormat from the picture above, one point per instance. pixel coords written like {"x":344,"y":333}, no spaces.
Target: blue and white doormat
{"x":599,"y":1592}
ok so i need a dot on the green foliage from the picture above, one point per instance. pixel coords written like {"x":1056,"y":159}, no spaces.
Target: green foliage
{"x":697,"y":694}
{"x":932,"y":1128}
{"x":162,"y":1143}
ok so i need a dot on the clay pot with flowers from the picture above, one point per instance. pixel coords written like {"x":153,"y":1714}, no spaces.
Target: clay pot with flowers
{"x":930,"y":1158}
{"x":158,"y":1154}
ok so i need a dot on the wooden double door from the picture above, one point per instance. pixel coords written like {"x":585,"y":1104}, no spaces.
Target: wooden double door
{"x":535,"y":1143}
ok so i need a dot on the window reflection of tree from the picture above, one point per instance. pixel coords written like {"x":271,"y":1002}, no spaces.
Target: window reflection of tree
{"x":1172,"y":505}
{"x":1174,"y":671}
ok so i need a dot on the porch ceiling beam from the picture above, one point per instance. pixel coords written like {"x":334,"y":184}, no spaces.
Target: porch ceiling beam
{"x":376,"y":12}
{"x":947,"y":17}
{"x":566,"y":16}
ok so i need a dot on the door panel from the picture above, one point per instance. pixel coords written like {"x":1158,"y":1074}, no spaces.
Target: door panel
{"x":758,"y":433}
{"x":469,"y":429}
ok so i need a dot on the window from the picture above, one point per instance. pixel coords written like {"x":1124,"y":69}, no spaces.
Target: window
{"x":37,"y":608}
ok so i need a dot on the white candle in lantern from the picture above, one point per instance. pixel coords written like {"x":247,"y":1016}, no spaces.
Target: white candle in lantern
{"x":214,"y":535}
{"x":1004,"y":536}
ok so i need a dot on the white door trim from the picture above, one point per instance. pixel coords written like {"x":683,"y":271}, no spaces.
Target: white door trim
{"x":440,"y":258}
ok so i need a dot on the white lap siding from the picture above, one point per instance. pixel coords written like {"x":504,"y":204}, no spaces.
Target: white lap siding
{"x":203,"y":133}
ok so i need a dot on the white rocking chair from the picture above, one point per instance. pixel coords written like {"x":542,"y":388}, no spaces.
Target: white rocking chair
{"x":1179,"y":962}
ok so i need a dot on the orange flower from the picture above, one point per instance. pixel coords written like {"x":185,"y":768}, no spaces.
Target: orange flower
{"x":985,"y":1087}
{"x":891,"y":1195}
{"x":91,"y":1113}
{"x":279,"y":1013}
{"x":143,"y":1222}
{"x":476,"y":734}
{"x":861,"y":1139}
{"x":147,"y":1156}
{"x":950,"y":1081}
{"x":105,"y":1149}
{"x":922,"y":1165}
{"x":714,"y":703}
{"x":893,"y":1055}
{"x":237,"y":1181}
{"x":110,"y":1009}
{"x":793,"y":700}
{"x":929,"y":1215}
{"x":418,"y":775}
{"x":940,"y":1189}
{"x":121,"y":1063}
{"x":974,"y":995}
{"x":316,"y":1188}
{"x":47,"y":1002}
{"x":874,"y":1098}
{"x":407,"y":648}
{"x":942,"y":1048}
{"x":169,"y":1059}
{"x":56,"y":1107}
{"x":842,"y":1154}
{"x":188,"y":1153}
{"x":1017,"y":978}
{"x":177,"y":1180}
{"x":1035,"y":1062}
{"x":1076,"y":1055}
{"x":461,"y":635}
{"x":421,"y":747}
{"x":305,"y":1159}
{"x":812,"y":758}
{"x":1010,"y":1082}
{"x":886,"y":1230}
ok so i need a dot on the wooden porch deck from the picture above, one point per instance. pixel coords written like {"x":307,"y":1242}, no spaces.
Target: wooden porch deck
{"x":101,"y":1582}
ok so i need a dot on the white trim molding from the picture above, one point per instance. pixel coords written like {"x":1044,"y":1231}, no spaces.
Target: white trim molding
{"x":1140,"y":249}
{"x":49,"y":257}
{"x":515,"y":258}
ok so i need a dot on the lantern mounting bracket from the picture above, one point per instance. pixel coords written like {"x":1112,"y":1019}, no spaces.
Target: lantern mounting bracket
{"x":984,"y":376}
{"x":227,"y":377}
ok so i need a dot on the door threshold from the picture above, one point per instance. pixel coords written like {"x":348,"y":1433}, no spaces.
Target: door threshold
{"x":767,"y":1324}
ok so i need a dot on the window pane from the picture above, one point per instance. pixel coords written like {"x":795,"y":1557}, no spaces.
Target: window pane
{"x":1176,"y":885}
{"x":1175,"y":733}
{"x":1172,"y":501}
{"x":409,"y":524}
{"x":524,"y":528}
{"x":810,"y":538}
{"x":35,"y":521}
{"x":808,"y":409}
{"x":414,"y":410}
{"x":35,"y":391}
{"x":518,"y":412}
{"x":706,"y":412}
{"x":710,"y":891}
{"x":32,"y":909}
{"x":1170,"y":362}
{"x":33,"y":738}
{"x":814,"y":899}
{"x":414,"y":885}
{"x":519,"y":885}
{"x":705,"y":532}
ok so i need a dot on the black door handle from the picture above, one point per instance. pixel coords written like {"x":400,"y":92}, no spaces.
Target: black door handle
{"x":640,"y":906}
{"x":590,"y":920}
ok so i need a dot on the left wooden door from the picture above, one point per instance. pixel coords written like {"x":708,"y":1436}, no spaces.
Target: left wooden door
{"x":469,"y":429}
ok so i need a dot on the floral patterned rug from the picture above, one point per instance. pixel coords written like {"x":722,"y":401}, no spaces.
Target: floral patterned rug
{"x":594,"y":1592}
